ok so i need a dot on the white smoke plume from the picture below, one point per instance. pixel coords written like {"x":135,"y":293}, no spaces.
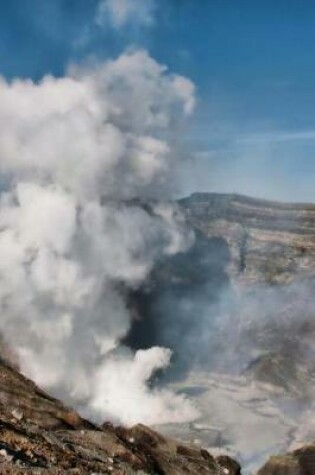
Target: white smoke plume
{"x":78,"y":156}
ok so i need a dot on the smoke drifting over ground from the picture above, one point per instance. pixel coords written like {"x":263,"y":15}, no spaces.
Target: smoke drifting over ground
{"x":214,"y":322}
{"x":244,"y":352}
{"x":79,"y":157}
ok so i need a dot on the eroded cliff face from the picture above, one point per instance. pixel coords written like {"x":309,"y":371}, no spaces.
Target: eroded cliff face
{"x":269,"y":241}
{"x":271,"y":268}
{"x":251,"y":269}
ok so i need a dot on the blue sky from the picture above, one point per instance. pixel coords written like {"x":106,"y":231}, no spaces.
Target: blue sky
{"x":253,"y":63}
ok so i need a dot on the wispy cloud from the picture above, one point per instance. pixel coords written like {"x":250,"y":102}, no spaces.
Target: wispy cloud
{"x":121,"y":13}
{"x":280,"y":136}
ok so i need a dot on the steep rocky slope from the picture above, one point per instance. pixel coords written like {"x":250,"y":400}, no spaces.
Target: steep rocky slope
{"x":299,"y":462}
{"x":271,"y":267}
{"x":39,"y":435}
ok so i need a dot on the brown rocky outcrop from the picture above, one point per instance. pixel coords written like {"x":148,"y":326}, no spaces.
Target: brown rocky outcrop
{"x":39,"y":435}
{"x":299,"y":462}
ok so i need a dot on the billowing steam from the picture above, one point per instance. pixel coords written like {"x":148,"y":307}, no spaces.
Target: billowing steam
{"x":79,"y":157}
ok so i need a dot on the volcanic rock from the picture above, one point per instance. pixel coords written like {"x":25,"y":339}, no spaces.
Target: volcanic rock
{"x":299,"y":462}
{"x":39,"y":435}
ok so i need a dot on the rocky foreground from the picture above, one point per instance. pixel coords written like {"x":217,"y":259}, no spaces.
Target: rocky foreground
{"x":299,"y":462}
{"x":39,"y":435}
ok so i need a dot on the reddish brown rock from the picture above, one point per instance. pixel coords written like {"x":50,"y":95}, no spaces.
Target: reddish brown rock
{"x":39,"y":435}
{"x":299,"y":462}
